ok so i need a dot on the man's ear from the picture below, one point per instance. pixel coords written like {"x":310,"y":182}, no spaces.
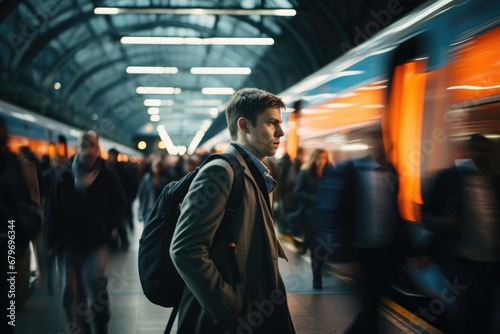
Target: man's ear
{"x":243,"y":125}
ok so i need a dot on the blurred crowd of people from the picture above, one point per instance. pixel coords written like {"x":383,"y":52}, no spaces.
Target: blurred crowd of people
{"x":76,"y":209}
{"x":349,"y":212}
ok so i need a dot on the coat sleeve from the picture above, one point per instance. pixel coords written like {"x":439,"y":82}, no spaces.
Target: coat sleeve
{"x":201,"y":213}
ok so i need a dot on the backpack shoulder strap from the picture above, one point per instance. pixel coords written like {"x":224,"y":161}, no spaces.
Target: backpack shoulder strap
{"x":236,"y":191}
{"x":237,"y":188}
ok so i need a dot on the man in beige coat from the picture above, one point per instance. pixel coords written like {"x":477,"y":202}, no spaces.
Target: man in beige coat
{"x":257,"y":302}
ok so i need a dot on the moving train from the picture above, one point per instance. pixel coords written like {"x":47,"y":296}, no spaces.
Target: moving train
{"x":430,"y":80}
{"x":45,"y":136}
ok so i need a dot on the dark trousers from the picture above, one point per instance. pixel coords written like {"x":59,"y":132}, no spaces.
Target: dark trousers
{"x":377,"y":266}
{"x":87,"y":270}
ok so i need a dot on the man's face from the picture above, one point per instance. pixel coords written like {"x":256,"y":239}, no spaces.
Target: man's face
{"x":88,"y":149}
{"x":264,"y":137}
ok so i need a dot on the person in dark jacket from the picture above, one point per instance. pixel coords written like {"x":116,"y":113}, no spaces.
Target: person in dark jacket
{"x":363,"y":201}
{"x":151,"y":185}
{"x":20,"y":223}
{"x":129,"y":178}
{"x":463,"y":210}
{"x":306,"y":188}
{"x":48,"y":177}
{"x":86,"y":206}
{"x":287,"y":203}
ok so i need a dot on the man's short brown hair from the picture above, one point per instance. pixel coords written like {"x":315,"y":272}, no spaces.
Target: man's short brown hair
{"x":249,"y":103}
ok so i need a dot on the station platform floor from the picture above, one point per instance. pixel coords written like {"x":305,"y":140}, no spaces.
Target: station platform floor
{"x":329,"y":310}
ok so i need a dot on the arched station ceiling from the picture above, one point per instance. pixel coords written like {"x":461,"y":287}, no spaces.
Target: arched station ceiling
{"x":66,"y":60}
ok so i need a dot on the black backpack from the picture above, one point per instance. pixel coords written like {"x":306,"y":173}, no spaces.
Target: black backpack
{"x":160,"y":281}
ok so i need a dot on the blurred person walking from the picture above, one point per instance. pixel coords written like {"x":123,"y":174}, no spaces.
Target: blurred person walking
{"x":362,"y":200}
{"x":21,"y":221}
{"x":129,"y":179}
{"x":306,"y":188}
{"x":463,"y":209}
{"x":86,"y":206}
{"x":287,"y":203}
{"x":48,"y":263}
{"x":151,"y":185}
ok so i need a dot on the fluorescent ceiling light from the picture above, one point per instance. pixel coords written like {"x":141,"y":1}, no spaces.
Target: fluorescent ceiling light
{"x":158,"y":103}
{"x":153,"y":111}
{"x":154,"y":118}
{"x":151,"y":70}
{"x":214,"y":112}
{"x":169,"y":145}
{"x":198,"y":41}
{"x":198,"y":137}
{"x":194,"y":11}
{"x":158,"y":90}
{"x":221,"y":70}
{"x":217,"y":90}
{"x":203,"y":103}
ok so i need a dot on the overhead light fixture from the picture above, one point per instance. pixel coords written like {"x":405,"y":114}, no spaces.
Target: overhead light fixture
{"x":203,"y":103}
{"x":195,"y":11}
{"x":153,"y":111}
{"x":198,"y":41}
{"x":151,"y":70}
{"x":198,"y":136}
{"x":158,"y":90}
{"x":217,"y":91}
{"x":154,"y":118}
{"x":214,"y":112}
{"x":158,"y":103}
{"x":221,"y":70}
{"x":165,"y":138}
